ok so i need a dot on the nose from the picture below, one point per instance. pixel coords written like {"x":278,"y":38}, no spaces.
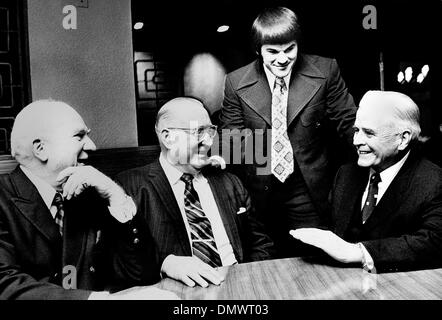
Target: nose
{"x":358,"y":139}
{"x":89,"y":145}
{"x":281,"y":58}
{"x":206,"y":140}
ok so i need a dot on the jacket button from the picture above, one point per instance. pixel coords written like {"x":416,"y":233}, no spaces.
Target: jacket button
{"x":135,"y":230}
{"x":136,"y":241}
{"x":266,"y":188}
{"x":92,"y":269}
{"x":317,"y":124}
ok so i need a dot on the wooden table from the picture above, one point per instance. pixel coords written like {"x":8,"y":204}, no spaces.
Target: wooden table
{"x":311,"y":278}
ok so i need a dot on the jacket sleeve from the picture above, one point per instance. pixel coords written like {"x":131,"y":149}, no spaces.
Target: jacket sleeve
{"x":257,"y":245}
{"x":135,"y":258}
{"x":232,"y":132}
{"x":16,"y":283}
{"x":421,"y":248}
{"x":341,"y":109}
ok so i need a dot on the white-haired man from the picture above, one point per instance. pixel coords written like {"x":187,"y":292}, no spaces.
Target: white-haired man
{"x":56,"y":214}
{"x":387,"y":209}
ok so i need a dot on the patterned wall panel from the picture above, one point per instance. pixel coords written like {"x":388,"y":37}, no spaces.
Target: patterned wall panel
{"x":14,"y":82}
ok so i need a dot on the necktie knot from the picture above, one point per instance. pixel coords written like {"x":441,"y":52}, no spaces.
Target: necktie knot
{"x":375,"y":178}
{"x":187,"y":178}
{"x":58,"y":200}
{"x":279,"y":84}
{"x":58,"y":203}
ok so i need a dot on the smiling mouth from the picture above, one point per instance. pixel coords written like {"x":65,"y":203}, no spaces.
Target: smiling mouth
{"x":364,"y":152}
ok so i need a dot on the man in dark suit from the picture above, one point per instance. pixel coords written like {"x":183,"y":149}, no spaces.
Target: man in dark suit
{"x":199,"y":216}
{"x":387,"y":210}
{"x":65,"y":229}
{"x":293,"y":104}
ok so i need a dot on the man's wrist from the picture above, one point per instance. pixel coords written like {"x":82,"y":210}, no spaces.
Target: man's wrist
{"x":367,"y":261}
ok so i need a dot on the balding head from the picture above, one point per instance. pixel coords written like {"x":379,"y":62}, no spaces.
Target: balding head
{"x":185,"y":133}
{"x":37,"y":121}
{"x":394,"y":107}
{"x":182,"y":112}
{"x":48,"y":137}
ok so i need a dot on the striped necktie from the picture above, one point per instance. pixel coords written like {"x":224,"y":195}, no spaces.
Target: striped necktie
{"x":58,"y":203}
{"x":203,"y":242}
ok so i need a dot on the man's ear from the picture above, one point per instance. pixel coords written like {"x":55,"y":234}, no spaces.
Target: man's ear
{"x":39,"y":150}
{"x":405,"y":137}
{"x":168,"y":138}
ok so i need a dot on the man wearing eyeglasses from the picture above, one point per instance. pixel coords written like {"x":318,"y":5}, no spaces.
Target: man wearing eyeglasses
{"x":199,"y":216}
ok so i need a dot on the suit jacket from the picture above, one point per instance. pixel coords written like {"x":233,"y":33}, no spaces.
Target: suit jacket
{"x":33,"y":255}
{"x":405,"y":229}
{"x":163,"y":220}
{"x":318,"y":105}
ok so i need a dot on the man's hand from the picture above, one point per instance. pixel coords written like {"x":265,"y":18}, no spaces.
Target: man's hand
{"x":190,"y":270}
{"x":77,"y":179}
{"x":326,"y":240}
{"x":138,"y":293}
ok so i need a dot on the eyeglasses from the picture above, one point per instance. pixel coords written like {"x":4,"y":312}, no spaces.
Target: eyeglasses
{"x":201,"y":132}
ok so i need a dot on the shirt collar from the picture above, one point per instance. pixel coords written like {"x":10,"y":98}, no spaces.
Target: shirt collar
{"x":271,"y":78}
{"x":173,"y":174}
{"x":46,"y":191}
{"x":388,"y":174}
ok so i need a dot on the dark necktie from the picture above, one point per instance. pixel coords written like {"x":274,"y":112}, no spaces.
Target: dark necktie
{"x":58,"y":203}
{"x":372,"y":196}
{"x":203,"y":242}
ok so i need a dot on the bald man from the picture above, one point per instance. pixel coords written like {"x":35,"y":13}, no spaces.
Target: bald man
{"x":387,"y":209}
{"x":199,"y":216}
{"x":62,"y":224}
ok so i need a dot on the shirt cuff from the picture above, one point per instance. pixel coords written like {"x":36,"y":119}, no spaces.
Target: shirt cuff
{"x":99,"y":295}
{"x":124,"y":211}
{"x":367,"y":260}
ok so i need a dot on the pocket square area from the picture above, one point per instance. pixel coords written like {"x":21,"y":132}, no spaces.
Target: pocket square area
{"x":241,"y":210}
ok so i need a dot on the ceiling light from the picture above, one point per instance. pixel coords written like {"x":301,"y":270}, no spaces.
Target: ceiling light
{"x":138,"y":25}
{"x":223,"y":28}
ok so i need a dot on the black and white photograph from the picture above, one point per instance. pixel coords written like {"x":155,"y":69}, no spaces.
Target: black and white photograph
{"x":220,"y":157}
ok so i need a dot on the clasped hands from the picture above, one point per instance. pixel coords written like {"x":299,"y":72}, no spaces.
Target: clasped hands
{"x":330,"y":243}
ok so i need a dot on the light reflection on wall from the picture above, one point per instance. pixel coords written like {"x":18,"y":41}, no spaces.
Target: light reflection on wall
{"x":204,"y":79}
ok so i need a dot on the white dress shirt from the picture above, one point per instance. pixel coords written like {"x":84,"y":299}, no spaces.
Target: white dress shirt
{"x":208,"y":205}
{"x":387,"y":177}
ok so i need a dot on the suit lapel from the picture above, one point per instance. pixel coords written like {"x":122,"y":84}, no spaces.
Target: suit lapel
{"x":255,"y":91}
{"x":302,"y":87}
{"x":350,"y":202}
{"x":394,"y":194}
{"x":227,"y":215}
{"x":32,"y":207}
{"x":164,"y":190}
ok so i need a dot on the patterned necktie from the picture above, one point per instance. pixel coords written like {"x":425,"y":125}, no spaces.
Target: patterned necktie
{"x":282,"y":152}
{"x":203,"y":242}
{"x":58,"y":203}
{"x":372,"y":196}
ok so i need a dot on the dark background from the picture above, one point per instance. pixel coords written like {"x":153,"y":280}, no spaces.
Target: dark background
{"x":408,"y":33}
